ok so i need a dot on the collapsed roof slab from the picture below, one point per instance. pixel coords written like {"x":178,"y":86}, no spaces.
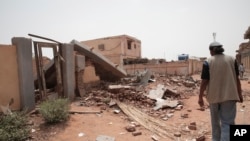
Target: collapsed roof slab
{"x":110,"y":70}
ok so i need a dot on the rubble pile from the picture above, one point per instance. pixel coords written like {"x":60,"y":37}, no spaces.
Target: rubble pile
{"x":156,"y":98}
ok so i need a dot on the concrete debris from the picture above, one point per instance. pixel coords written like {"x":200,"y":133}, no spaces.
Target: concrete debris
{"x":105,"y":138}
{"x":179,"y":107}
{"x":177,"y":134}
{"x":184,"y":115}
{"x":201,"y":138}
{"x":117,"y":111}
{"x":136,"y":133}
{"x":144,"y":77}
{"x":161,"y":103}
{"x":130,"y":128}
{"x":192,"y":127}
{"x":189,"y":84}
{"x":157,"y":93}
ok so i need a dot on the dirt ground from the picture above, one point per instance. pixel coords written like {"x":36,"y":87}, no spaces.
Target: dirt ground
{"x":87,"y":127}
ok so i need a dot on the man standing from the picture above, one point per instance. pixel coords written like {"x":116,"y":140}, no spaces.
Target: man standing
{"x":242,"y":70}
{"x":220,"y":79}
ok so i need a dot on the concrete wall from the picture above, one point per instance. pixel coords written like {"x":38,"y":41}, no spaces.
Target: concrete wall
{"x":26,"y":83}
{"x":9,"y":82}
{"x":178,"y":68}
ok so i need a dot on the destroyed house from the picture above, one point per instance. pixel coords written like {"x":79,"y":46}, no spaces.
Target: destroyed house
{"x":243,"y":55}
{"x":118,"y":49}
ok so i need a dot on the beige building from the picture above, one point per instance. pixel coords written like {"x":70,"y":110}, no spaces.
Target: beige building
{"x":243,"y":55}
{"x":116,"y":48}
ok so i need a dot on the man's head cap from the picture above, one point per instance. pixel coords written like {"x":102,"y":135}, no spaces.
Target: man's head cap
{"x":215,"y":44}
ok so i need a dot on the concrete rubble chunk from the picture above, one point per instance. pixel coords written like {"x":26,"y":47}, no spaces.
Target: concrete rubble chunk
{"x":189,"y":84}
{"x":130,"y":128}
{"x":105,"y":138}
{"x":157,"y":93}
{"x":192,"y":127}
{"x":146,"y":77}
{"x":179,"y":107}
{"x":161,"y":103}
{"x":201,"y":138}
{"x":184,"y":115}
{"x":136,"y":133}
{"x":177,"y":134}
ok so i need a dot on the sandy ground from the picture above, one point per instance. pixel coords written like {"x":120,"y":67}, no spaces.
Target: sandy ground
{"x":87,"y":127}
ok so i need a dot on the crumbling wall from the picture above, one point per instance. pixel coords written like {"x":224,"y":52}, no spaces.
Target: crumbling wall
{"x":173,"y":68}
{"x":9,"y":82}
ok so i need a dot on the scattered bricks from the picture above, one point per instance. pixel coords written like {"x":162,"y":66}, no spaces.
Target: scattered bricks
{"x":177,"y":134}
{"x":201,"y":138}
{"x":201,"y":109}
{"x":184,"y":115}
{"x":136,"y":133}
{"x":192,"y":127}
{"x":193,"y":123}
{"x":130,"y":128}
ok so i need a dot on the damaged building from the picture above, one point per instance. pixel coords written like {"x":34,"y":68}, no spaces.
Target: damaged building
{"x":243,"y":55}
{"x":73,"y":67}
{"x":120,"y":49}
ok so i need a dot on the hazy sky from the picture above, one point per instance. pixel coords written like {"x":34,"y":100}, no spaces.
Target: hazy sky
{"x":166,"y":28}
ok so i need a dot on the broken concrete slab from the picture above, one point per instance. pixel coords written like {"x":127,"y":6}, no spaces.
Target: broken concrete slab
{"x":157,"y":93}
{"x":105,"y":68}
{"x":161,"y":103}
{"x":105,"y":138}
{"x":145,"y":78}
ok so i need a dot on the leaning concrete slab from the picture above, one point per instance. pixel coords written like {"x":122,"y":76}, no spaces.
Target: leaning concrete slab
{"x":111,"y":70}
{"x":26,"y":85}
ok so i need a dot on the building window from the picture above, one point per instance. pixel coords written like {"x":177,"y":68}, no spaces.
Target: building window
{"x":129,"y":44}
{"x":135,"y":46}
{"x":101,"y":47}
